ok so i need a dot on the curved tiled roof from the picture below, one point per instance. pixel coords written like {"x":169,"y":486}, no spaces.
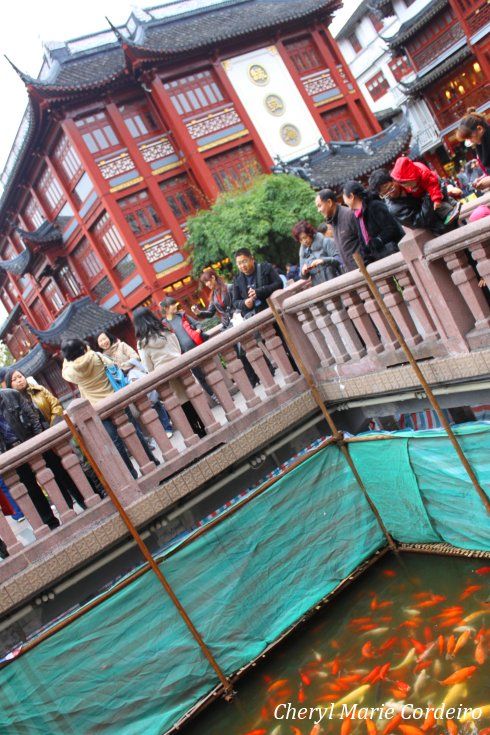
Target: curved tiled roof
{"x":46,"y":234}
{"x":424,"y":81}
{"x":81,"y":319}
{"x":333,"y":164}
{"x":410,"y":27}
{"x":32,"y":363}
{"x":18,"y":265}
{"x":10,"y":320}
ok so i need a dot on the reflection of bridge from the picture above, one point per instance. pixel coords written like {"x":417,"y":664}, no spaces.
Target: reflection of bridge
{"x":431,"y":288}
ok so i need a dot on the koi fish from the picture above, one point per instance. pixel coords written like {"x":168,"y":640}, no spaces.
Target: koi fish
{"x":260,"y":731}
{"x":388,"y":644}
{"x":459,"y":676}
{"x":420,"y":681}
{"x":409,"y":730}
{"x":372,"y":675}
{"x":411,"y":611}
{"x":455,"y":694}
{"x":432,"y":602}
{"x":440,"y":644}
{"x":370,"y":727}
{"x":301,"y":695}
{"x":469,"y":591}
{"x":367,"y":650}
{"x":451,"y":642}
{"x":485,"y":712}
{"x":357,"y":695}
{"x":346,"y":726}
{"x":305,"y":679}
{"x":419,"y":647}
{"x":450,"y":622}
{"x":409,"y":624}
{"x":483,"y":570}
{"x":377,"y":631}
{"x":429,"y":722}
{"x":473,"y":616}
{"x":316,"y":729}
{"x":462,"y":641}
{"x":480,"y":652}
{"x":279,"y":684}
{"x":409,"y":658}
{"x":389,"y":573}
{"x":452,"y":727}
{"x":392,"y":724}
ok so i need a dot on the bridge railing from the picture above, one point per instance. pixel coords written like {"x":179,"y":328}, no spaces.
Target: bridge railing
{"x":433,"y":289}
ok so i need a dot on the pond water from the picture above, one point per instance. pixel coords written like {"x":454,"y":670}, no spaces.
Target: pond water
{"x":405,"y":649}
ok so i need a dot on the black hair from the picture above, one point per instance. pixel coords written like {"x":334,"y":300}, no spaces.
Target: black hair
{"x":326,"y":194}
{"x":243,"y":251}
{"x":10,"y":374}
{"x":73,"y":348}
{"x":109,"y":336}
{"x":146,"y":324}
{"x":322,"y":227}
{"x":166,"y":302}
{"x":378,"y":178}
{"x":354,"y":187}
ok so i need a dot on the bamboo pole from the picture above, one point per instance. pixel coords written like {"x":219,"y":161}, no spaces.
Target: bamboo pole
{"x":423,"y":382}
{"x":149,"y":558}
{"x":336,"y":434}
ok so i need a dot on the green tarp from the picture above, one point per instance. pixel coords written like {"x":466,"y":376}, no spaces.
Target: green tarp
{"x":130,"y":667}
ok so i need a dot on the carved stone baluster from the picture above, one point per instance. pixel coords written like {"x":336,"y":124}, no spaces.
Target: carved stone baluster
{"x":362,"y":322}
{"x":199,"y":400}
{"x":465,"y":278}
{"x":19,"y":493}
{"x":127,"y":432}
{"x":388,"y":339}
{"x":311,"y":328}
{"x":239,"y":376}
{"x":216,"y":382}
{"x":8,"y":536}
{"x":412,"y":296}
{"x":275,"y":346}
{"x":45,"y":479}
{"x":257,"y":360}
{"x":327,"y":319}
{"x":70,"y":462}
{"x":481,"y":254}
{"x":177,"y":415}
{"x":148,"y":418}
{"x":352,"y":347}
{"x":394,"y":301}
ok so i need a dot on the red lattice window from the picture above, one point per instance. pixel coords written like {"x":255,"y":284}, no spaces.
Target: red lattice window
{"x":139,"y":119}
{"x":377,"y":86}
{"x":235,"y":169}
{"x":53,"y":296}
{"x":195,"y":92}
{"x":427,"y":34}
{"x":304,"y":55}
{"x":140,"y":213}
{"x":340,"y":125}
{"x":68,"y":161}
{"x":98,"y":133}
{"x":33,"y":214}
{"x":108,"y":236}
{"x":50,"y":191}
{"x":43,"y":319}
{"x":183,"y":197}
{"x":400,"y":67}
{"x":354,"y":42}
{"x":87,"y":260}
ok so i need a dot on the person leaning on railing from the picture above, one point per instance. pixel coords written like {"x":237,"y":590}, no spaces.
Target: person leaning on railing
{"x":318,"y":258}
{"x":20,"y":421}
{"x":87,"y":369}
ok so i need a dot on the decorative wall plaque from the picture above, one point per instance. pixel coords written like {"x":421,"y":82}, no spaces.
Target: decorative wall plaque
{"x":258,"y":74}
{"x":290,"y":134}
{"x":274,"y":104}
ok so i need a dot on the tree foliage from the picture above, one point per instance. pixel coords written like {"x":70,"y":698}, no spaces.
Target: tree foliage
{"x":6,"y":358}
{"x":259,"y":218}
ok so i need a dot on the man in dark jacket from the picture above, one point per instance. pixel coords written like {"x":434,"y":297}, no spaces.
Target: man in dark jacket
{"x":20,"y":421}
{"x":410,"y":211}
{"x":254,"y":284}
{"x":343,"y":221}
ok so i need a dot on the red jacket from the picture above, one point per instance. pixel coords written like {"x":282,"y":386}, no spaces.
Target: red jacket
{"x":427,"y":180}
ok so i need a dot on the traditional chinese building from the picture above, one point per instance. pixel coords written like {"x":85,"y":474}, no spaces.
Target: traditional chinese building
{"x":130,"y":131}
{"x":430,"y":57}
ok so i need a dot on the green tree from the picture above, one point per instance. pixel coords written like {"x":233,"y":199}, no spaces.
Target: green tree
{"x":259,"y":218}
{"x":6,"y":358}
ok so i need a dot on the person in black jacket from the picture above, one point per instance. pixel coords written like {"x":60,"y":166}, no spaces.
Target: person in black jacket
{"x":475,"y":129}
{"x":254,"y":284}
{"x":379,"y":231}
{"x":20,"y":421}
{"x":410,"y":211}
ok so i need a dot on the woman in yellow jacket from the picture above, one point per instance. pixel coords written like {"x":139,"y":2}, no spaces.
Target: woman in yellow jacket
{"x":50,"y":411}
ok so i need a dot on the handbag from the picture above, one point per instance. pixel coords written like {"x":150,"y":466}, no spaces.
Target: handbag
{"x":115,"y":376}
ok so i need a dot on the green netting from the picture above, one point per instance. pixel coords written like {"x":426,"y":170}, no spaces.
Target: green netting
{"x":130,"y":667}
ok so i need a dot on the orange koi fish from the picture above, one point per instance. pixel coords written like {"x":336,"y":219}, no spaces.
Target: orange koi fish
{"x":305,"y":679}
{"x":369,"y":678}
{"x":260,"y":731}
{"x":409,"y":624}
{"x":451,"y":642}
{"x":419,"y":647}
{"x":335,"y":668}
{"x":480,"y":652}
{"x":367,"y":650}
{"x":422,"y":665}
{"x":383,"y":671}
{"x":459,"y":675}
{"x":370,"y":727}
{"x":432,"y":602}
{"x":316,"y":730}
{"x":279,"y":684}
{"x":301,"y":695}
{"x":452,"y":727}
{"x":392,"y":724}
{"x":409,"y":730}
{"x":462,"y":641}
{"x":389,"y":573}
{"x":388,"y":644}
{"x":440,"y":644}
{"x":346,"y":726}
{"x":469,"y":591}
{"x":451,"y":622}
{"x":429,"y":722}
{"x":483,"y":570}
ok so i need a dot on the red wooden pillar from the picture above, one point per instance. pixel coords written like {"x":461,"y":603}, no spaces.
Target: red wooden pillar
{"x":27,"y":311}
{"x":325,"y":49}
{"x":263,"y":153}
{"x":86,"y":232}
{"x":183,"y":139}
{"x":109,"y":203}
{"x":146,"y":171}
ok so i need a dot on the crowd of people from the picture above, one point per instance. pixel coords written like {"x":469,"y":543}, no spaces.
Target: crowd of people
{"x":370,"y":221}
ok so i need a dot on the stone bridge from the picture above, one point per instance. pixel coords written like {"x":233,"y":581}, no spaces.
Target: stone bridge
{"x":432,"y":289}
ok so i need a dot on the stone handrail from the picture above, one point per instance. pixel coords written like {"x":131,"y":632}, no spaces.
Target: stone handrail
{"x":431,"y":287}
